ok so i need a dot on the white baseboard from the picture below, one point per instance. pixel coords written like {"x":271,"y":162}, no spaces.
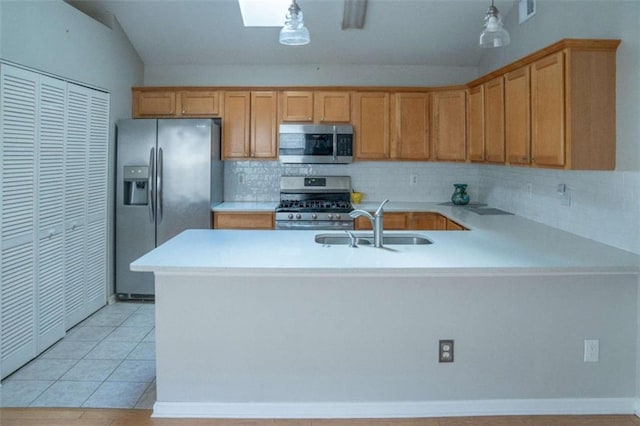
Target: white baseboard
{"x":637,"y":411}
{"x":327,"y":410}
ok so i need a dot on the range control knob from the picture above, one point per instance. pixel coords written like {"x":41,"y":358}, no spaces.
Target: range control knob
{"x":338,"y":217}
{"x":314,"y":216}
{"x":290,"y":216}
{"x":329,"y":216}
{"x":298,"y":216}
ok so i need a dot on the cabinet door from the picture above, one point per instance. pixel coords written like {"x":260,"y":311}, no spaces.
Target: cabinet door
{"x":236,"y":141}
{"x":18,"y":119}
{"x":453,"y":226}
{"x":371,"y":125}
{"x":332,"y":107}
{"x":547,"y":111}
{"x":427,"y":221}
{"x":411,"y":136}
{"x":154,"y":103}
{"x":50,"y":213}
{"x":449,"y":125}
{"x":75,"y":203}
{"x":394,"y":221}
{"x":296,"y":106}
{"x":243,"y":220}
{"x":476,"y":123}
{"x":96,"y":221}
{"x":199,"y":103}
{"x":264,"y":124}
{"x":517,"y":116}
{"x":494,"y":120}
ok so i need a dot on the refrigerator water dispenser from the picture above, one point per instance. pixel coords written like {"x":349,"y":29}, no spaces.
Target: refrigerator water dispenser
{"x":136,"y":185}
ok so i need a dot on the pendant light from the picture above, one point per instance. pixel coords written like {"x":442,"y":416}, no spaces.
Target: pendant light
{"x":494,"y":34}
{"x":294,"y":33}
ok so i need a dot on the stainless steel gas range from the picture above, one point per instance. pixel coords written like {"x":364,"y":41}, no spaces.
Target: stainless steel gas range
{"x":314,"y":203}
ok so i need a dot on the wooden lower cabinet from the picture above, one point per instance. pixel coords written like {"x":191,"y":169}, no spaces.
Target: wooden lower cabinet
{"x":419,"y":221}
{"x":243,"y":220}
{"x":454,"y":226}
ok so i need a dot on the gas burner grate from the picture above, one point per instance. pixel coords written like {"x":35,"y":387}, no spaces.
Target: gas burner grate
{"x":314,"y":205}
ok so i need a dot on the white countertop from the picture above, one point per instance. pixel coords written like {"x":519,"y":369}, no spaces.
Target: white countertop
{"x":502,"y":244}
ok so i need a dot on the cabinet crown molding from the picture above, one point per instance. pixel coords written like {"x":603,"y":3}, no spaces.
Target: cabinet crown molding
{"x":567,"y":43}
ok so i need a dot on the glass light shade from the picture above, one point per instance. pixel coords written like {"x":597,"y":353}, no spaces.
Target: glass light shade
{"x":494,"y":34}
{"x":294,"y":33}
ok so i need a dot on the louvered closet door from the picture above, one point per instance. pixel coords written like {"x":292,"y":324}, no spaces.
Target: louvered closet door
{"x":50,"y":265}
{"x":96,"y":238}
{"x":75,"y":203}
{"x":18,"y":104}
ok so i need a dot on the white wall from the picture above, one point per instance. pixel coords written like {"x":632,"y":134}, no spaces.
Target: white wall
{"x":307,"y":75}
{"x":53,"y":37}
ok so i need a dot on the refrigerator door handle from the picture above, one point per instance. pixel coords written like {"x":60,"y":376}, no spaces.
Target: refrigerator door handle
{"x":150,"y":185}
{"x":159,"y":185}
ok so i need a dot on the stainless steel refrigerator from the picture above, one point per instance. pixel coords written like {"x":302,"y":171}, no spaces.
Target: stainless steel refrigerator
{"x":169,"y":174}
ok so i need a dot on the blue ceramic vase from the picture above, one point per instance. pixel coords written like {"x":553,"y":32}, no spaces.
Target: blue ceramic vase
{"x":460,"y":196}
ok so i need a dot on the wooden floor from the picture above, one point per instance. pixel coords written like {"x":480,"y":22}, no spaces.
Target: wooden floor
{"x":112,"y":417}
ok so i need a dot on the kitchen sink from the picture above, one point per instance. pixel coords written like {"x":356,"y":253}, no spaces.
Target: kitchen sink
{"x":366,"y":239}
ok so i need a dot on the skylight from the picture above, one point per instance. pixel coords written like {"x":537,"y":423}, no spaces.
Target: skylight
{"x":263,"y":13}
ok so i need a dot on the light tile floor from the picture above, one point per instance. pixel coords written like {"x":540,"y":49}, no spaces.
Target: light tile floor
{"x":106,"y":361}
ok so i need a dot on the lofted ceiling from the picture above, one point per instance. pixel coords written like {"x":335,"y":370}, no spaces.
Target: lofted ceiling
{"x":210,"y":32}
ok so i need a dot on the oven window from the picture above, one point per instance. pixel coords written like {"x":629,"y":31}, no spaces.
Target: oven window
{"x":318,"y":144}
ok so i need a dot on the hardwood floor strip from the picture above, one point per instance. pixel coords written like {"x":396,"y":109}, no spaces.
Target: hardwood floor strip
{"x":115,"y":417}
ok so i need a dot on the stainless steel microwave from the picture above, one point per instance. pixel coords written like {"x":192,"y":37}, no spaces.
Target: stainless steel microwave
{"x":315,"y":144}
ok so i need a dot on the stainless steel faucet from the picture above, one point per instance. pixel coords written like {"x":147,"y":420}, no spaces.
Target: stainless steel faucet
{"x":377,"y":222}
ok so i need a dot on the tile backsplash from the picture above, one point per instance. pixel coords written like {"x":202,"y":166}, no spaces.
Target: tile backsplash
{"x":600,"y":205}
{"x":397,"y":181}
{"x":603,"y":206}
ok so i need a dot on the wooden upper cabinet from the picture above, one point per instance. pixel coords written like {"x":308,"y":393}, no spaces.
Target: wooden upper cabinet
{"x":199,"y":103}
{"x":250,"y":125}
{"x":517,"y":116}
{"x":591,"y":108}
{"x":370,"y":113}
{"x":296,"y":106}
{"x":548,"y":111}
{"x":448,"y":126}
{"x":494,"y":120}
{"x":236,"y":125}
{"x":332,"y":107}
{"x":264,"y":125}
{"x":157,"y":103}
{"x":475,"y":136}
{"x":410,"y":124}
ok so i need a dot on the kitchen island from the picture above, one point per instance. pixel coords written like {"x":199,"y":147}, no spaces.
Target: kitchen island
{"x":272,"y":324}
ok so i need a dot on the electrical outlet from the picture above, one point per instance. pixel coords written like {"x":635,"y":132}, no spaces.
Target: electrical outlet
{"x":565,"y":194}
{"x":413,"y":180}
{"x":240,"y":178}
{"x":445,"y":351}
{"x":591,"y":350}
